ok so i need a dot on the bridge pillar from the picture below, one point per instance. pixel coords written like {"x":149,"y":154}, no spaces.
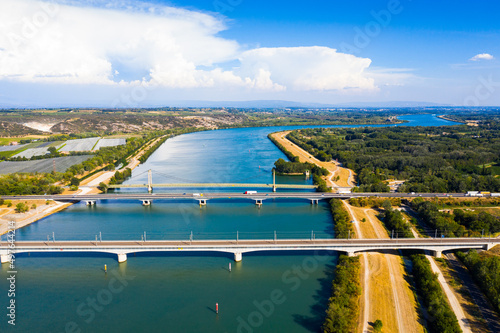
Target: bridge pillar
{"x":438,"y":253}
{"x":274,"y":180}
{"x":351,"y":254}
{"x":238,"y":256}
{"x":122,"y":257}
{"x":258,"y":202}
{"x":90,"y":202}
{"x":150,"y":181}
{"x":314,"y":201}
{"x":489,"y":246}
{"x":146,"y":202}
{"x":5,"y":258}
{"x":202,"y":202}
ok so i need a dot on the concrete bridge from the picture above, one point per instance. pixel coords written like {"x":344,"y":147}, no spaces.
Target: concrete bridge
{"x":202,"y":198}
{"x":150,"y":185}
{"x":238,"y":247}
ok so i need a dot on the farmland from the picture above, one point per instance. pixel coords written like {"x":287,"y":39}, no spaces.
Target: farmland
{"x":46,"y":165}
{"x":12,"y":148}
{"x":79,"y":145}
{"x":30,"y":152}
{"x":109,"y":143}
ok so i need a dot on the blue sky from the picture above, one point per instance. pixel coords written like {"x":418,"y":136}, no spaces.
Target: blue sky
{"x":135,"y":53}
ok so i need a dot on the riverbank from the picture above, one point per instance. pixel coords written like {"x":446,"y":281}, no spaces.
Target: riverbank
{"x":8,"y":214}
{"x":345,"y":176}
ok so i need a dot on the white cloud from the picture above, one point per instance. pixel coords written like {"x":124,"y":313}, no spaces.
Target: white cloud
{"x":307,"y":68}
{"x":482,"y":56}
{"x":109,"y":43}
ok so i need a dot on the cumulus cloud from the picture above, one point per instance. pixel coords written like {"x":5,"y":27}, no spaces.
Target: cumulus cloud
{"x":306,"y":68}
{"x":109,"y":43}
{"x":482,"y":56}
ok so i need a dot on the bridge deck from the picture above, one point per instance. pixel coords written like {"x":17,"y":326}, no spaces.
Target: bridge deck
{"x":238,"y":247}
{"x":257,"y":243}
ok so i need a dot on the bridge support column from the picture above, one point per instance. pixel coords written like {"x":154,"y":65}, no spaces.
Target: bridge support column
{"x":202,"y":202}
{"x":238,"y":256}
{"x":5,"y":258}
{"x":314,"y":201}
{"x":438,"y":254}
{"x":146,"y":202}
{"x":274,"y":180}
{"x":351,"y":254}
{"x":150,"y":181}
{"x":90,"y":202}
{"x":258,"y":202}
{"x":122,"y":257}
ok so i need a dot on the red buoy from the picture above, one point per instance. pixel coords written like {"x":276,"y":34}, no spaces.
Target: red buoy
{"x":217,"y":308}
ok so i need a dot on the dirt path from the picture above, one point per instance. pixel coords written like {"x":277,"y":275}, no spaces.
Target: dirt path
{"x":334,"y":168}
{"x":450,"y":293}
{"x":452,"y":299}
{"x":384,"y":281}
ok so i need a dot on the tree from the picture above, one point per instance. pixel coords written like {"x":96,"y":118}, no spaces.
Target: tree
{"x":75,"y":181}
{"x":21,"y":208}
{"x":377,"y":325}
{"x":103,"y":187}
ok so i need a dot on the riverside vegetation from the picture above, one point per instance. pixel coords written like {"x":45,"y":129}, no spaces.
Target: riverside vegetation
{"x":343,"y":307}
{"x":294,"y":166}
{"x":429,"y":159}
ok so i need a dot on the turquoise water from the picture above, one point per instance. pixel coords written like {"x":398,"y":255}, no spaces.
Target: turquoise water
{"x":266,"y":292}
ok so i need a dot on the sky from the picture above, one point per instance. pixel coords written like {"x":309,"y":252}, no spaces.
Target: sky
{"x":124,"y":53}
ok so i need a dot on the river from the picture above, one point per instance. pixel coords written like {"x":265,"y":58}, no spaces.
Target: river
{"x":266,"y":292}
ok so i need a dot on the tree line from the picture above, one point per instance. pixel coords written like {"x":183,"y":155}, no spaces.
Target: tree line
{"x":342,"y":221}
{"x":24,"y":184}
{"x":343,"y":306}
{"x":458,"y":224}
{"x":393,"y":220}
{"x":434,"y":299}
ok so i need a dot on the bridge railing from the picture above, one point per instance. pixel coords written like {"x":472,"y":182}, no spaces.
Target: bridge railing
{"x":186,"y":235}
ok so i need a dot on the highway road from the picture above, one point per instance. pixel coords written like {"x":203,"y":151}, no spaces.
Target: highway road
{"x":264,"y":242}
{"x":226,"y":195}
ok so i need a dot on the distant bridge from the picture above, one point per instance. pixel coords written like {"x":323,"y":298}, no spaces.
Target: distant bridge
{"x":273,"y":186}
{"x":238,"y":247}
{"x":217,"y":185}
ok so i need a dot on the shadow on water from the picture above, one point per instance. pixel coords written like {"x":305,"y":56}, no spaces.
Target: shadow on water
{"x":318,"y":308}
